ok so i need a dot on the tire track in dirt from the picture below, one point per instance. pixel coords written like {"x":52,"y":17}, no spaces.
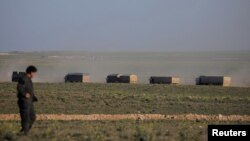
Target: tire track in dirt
{"x":91,"y":117}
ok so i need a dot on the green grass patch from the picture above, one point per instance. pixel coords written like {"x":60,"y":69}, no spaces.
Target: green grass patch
{"x":77,"y":98}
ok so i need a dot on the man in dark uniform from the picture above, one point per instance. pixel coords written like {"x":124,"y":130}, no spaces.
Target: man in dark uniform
{"x":26,"y":97}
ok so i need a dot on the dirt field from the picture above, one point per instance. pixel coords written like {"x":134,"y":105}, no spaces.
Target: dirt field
{"x":191,"y":117}
{"x":77,"y":98}
{"x":111,"y":112}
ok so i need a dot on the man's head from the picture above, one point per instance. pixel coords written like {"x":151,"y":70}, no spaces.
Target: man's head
{"x":31,"y":71}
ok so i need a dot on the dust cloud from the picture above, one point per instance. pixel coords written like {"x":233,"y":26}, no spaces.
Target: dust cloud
{"x":53,"y":66}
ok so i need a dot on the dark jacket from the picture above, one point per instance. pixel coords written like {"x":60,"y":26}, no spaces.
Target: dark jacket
{"x":25,"y":86}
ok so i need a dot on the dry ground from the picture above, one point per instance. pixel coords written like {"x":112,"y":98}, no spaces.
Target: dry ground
{"x":132,"y":117}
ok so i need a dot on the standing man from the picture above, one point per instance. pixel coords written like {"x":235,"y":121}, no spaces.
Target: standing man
{"x":26,"y":97}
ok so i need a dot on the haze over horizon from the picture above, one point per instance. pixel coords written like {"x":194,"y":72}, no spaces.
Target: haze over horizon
{"x":142,"y":25}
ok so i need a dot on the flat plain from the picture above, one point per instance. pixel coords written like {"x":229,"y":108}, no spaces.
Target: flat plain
{"x":188,"y":108}
{"x":98,"y":98}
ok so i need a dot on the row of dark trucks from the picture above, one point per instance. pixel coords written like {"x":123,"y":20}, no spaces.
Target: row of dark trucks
{"x":132,"y":78}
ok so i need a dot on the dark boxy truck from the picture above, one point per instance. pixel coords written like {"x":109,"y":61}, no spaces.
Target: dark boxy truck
{"x":213,"y":80}
{"x":113,"y":78}
{"x":77,"y":77}
{"x":121,"y":78}
{"x":164,"y":80}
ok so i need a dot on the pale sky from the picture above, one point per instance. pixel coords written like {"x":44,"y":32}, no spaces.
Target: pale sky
{"x":124,"y":25}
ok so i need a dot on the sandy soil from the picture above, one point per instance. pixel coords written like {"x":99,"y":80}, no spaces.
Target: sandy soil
{"x":132,"y":117}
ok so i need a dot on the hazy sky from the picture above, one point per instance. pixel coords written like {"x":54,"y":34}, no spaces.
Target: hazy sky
{"x":124,"y":25}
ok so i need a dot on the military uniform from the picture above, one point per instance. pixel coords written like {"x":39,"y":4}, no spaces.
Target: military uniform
{"x":26,"y":107}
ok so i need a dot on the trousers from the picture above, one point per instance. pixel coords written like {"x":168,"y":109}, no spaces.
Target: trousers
{"x":27,"y":114}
